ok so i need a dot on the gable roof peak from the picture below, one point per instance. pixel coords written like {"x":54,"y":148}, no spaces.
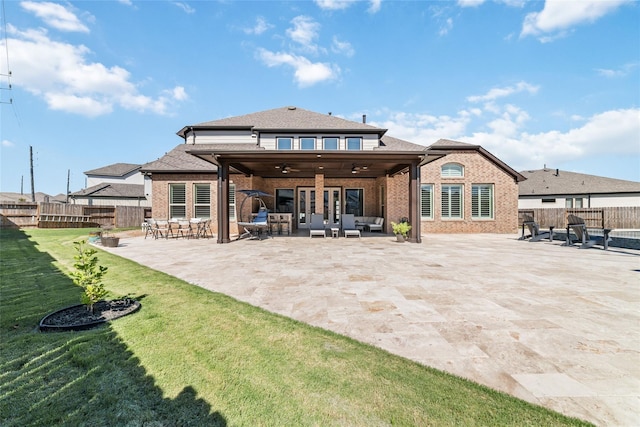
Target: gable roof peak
{"x":289,"y":118}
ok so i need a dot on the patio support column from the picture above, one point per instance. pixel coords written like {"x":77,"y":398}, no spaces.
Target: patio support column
{"x":223,"y":202}
{"x":319,"y":193}
{"x":414,"y":202}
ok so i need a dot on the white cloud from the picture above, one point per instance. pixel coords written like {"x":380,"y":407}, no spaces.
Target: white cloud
{"x":501,"y":92}
{"x":374,"y":5}
{"x":334,"y":4}
{"x":446,"y":27}
{"x":55,"y":16}
{"x":620,"y":72}
{"x":7,"y":144}
{"x":558,"y":16}
{"x":260,"y":27}
{"x":184,"y":6}
{"x":178,"y":93}
{"x":306,"y":73}
{"x":304,"y":32}
{"x":127,"y":2}
{"x":470,"y":3}
{"x":344,"y":48}
{"x":61,"y":74}
{"x":424,"y":128}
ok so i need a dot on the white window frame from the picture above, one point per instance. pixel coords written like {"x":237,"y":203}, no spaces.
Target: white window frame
{"x":174,"y":206}
{"x":479,"y":195}
{"x":283,"y":138}
{"x":452,"y":170}
{"x":232,"y":201}
{"x":352,"y":138}
{"x":445,"y":213}
{"x":428,"y":199}
{"x":307,"y":137}
{"x":200,"y":190}
{"x":324,"y":142}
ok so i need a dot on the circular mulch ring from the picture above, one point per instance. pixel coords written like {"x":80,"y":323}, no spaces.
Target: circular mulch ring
{"x":78,"y":317}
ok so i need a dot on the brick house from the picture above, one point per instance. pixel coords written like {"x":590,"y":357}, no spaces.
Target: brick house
{"x":319,"y":163}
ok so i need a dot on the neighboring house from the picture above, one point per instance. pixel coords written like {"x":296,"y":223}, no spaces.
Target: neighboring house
{"x":119,"y":184}
{"x":319,"y":163}
{"x":555,"y":188}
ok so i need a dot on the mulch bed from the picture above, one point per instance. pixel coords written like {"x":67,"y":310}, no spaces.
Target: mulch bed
{"x":78,"y":317}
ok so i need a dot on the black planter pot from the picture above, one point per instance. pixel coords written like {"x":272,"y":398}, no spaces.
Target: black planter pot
{"x":110,"y":242}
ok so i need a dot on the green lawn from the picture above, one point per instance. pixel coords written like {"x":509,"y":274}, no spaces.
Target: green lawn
{"x":194,"y":357}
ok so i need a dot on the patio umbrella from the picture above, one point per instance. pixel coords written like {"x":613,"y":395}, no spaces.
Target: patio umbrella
{"x":253,"y":194}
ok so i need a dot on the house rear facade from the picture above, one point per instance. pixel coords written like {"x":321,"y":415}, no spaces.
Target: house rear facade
{"x":319,"y":163}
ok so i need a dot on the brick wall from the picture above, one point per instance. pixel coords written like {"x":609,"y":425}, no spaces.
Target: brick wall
{"x":477,"y":170}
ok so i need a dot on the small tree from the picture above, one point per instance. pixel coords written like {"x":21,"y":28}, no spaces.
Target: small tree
{"x":88,"y":274}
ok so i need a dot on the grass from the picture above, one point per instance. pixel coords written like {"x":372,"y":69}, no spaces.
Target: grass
{"x":194,"y":357}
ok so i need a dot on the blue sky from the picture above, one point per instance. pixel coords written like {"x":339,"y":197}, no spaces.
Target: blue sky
{"x":553,"y":83}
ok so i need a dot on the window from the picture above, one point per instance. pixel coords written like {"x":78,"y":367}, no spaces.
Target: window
{"x":573,"y":203}
{"x":354,"y":143}
{"x":232,"y":202}
{"x":202,"y":200}
{"x":284,"y":143}
{"x":284,"y":200}
{"x":452,"y":170}
{"x":426,"y":201}
{"x":354,"y":201}
{"x":177,"y":201}
{"x":307,"y":143}
{"x":482,"y":201}
{"x":330,"y":143}
{"x":548,"y":200}
{"x":452,"y":201}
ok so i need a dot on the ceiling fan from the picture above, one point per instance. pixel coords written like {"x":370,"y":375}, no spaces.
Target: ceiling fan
{"x":284,"y":168}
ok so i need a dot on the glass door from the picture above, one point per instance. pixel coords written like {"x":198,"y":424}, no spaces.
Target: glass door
{"x":307,"y":205}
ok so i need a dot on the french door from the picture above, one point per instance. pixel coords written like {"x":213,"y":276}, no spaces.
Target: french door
{"x":307,"y":206}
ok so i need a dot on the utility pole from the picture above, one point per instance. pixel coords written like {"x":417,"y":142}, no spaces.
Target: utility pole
{"x":68,"y":176}
{"x":22,"y":185}
{"x":33,"y":191}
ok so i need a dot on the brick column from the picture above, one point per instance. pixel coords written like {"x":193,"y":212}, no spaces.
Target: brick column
{"x":223,"y":203}
{"x":320,"y":193}
{"x":414,"y":205}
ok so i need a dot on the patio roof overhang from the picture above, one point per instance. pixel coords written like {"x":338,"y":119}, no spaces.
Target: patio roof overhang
{"x":307,"y":164}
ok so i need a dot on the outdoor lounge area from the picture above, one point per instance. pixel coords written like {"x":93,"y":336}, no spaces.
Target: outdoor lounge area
{"x":550,"y":336}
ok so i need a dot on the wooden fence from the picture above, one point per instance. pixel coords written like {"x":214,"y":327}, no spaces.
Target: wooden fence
{"x":57,"y":215}
{"x":616,"y":218}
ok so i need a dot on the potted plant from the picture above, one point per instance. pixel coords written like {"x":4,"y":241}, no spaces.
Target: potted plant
{"x":108,"y":240}
{"x":401,"y":230}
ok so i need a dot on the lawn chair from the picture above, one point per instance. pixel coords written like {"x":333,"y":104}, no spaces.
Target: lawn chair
{"x":534,"y":229}
{"x":579,"y":228}
{"x":348,"y":223}
{"x":253,"y":230}
{"x":377,"y":225}
{"x":316,"y":228}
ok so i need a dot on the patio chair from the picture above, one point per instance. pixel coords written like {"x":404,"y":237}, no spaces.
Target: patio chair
{"x":579,"y":228}
{"x":163,"y":229}
{"x":184,"y":229}
{"x":377,"y":225}
{"x":534,"y":229}
{"x":348,"y":224}
{"x":316,"y":228}
{"x":150,"y":228}
{"x":253,"y":230}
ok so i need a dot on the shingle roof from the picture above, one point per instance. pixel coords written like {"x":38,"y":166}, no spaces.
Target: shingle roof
{"x":178,"y":160}
{"x":390,"y":143}
{"x":116,"y":169}
{"x":289,"y":118}
{"x":123,"y":191}
{"x":450,"y":145}
{"x":556,"y":182}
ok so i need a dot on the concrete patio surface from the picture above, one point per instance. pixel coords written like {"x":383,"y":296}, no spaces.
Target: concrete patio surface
{"x":555,"y":326}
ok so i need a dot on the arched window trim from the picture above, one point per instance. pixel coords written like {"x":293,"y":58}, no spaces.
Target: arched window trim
{"x":452,"y":170}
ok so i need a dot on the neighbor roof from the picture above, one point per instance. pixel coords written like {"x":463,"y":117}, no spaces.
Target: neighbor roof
{"x":543,"y":182}
{"x":122,"y":191}
{"x":286,"y":118}
{"x":116,"y":169}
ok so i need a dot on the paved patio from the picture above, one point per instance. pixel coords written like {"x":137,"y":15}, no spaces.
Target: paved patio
{"x":556,"y":326}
